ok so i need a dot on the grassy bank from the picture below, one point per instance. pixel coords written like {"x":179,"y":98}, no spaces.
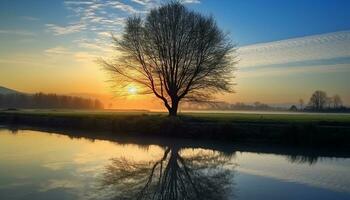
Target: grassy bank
{"x":300,"y":129}
{"x":266,"y":117}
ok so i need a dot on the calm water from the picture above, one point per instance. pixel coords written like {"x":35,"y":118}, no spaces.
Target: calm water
{"x":39,"y":165}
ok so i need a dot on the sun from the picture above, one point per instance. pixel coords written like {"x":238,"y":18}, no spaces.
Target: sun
{"x":132,"y":90}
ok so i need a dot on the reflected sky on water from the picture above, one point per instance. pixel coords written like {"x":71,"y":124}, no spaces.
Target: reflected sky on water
{"x":40,"y":165}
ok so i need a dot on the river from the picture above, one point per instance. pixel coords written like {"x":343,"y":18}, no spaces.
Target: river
{"x":41,"y":165}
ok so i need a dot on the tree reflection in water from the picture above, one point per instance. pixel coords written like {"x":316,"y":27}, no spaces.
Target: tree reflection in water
{"x":299,"y":159}
{"x":201,"y":175}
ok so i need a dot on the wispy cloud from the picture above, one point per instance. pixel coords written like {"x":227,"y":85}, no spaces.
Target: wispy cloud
{"x":288,"y":71}
{"x":79,"y":2}
{"x":16,"y":32}
{"x":59,"y":50}
{"x":16,"y":61}
{"x":142,"y":2}
{"x":124,"y":7}
{"x":84,"y":57}
{"x":29,"y":18}
{"x":325,"y":53}
{"x":191,"y":1}
{"x":315,"y":47}
{"x":96,"y":19}
{"x":63,"y":30}
{"x":157,"y":2}
{"x":25,"y":60}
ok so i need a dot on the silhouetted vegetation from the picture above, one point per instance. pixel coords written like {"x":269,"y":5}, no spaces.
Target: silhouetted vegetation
{"x":176,"y":54}
{"x":293,"y":108}
{"x":172,"y":177}
{"x":311,"y":160}
{"x":220,"y":105}
{"x":319,"y":101}
{"x":45,"y":101}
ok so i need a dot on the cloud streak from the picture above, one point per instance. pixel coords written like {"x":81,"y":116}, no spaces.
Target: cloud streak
{"x":316,"y":47}
{"x":59,"y":50}
{"x":96,"y":18}
{"x":191,"y":1}
{"x":16,"y":32}
{"x":64,"y":30}
{"x":124,"y":7}
{"x":29,"y":18}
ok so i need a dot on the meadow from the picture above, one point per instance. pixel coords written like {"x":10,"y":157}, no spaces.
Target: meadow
{"x":294,"y":128}
{"x":203,"y":116}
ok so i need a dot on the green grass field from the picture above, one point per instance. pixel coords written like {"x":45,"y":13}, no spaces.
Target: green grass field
{"x":198,"y":116}
{"x":298,"y":128}
{"x":272,"y":117}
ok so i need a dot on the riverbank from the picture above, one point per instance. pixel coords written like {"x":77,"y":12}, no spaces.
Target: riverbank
{"x":311,"y":129}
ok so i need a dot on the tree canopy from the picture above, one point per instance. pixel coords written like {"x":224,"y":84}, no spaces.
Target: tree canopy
{"x":175,"y":54}
{"x":320,"y":101}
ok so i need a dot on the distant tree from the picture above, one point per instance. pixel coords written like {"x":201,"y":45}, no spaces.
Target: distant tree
{"x":293,"y":108}
{"x":301,"y":104}
{"x":318,"y":100}
{"x":175,"y":53}
{"x":337,"y":102}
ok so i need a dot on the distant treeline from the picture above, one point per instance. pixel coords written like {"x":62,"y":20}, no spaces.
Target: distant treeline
{"x":41,"y":100}
{"x":321,"y":102}
{"x":227,"y":106}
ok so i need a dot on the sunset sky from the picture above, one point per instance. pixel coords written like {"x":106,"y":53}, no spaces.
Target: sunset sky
{"x":287,"y":49}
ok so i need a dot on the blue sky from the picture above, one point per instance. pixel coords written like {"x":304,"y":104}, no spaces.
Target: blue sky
{"x":288,"y":48}
{"x":255,"y":21}
{"x":248,"y":21}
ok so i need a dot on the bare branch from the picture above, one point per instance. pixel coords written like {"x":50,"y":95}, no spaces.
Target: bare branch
{"x":175,"y":53}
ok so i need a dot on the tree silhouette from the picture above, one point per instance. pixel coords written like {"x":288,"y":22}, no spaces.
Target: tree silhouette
{"x":318,"y":100}
{"x":172,"y":177}
{"x":337,"y":102}
{"x":175,"y":54}
{"x":300,"y":159}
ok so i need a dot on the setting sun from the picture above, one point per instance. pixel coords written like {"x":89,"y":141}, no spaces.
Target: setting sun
{"x":132,"y":90}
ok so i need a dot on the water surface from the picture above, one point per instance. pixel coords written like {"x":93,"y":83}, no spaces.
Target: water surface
{"x":41,"y":165}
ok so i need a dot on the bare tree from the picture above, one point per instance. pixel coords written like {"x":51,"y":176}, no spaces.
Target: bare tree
{"x":174,"y":53}
{"x":318,"y":100}
{"x":337,"y":102}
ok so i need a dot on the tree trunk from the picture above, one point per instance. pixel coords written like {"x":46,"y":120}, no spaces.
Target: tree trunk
{"x":173,"y":109}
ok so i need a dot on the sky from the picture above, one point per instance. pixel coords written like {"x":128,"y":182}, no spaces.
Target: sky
{"x":286,"y":49}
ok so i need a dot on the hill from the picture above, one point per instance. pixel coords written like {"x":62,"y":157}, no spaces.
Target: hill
{"x":4,"y":90}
